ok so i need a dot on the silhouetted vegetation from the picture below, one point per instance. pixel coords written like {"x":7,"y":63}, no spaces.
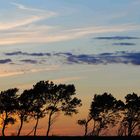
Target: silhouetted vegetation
{"x":45,"y":98}
{"x":85,"y":122}
{"x":130,"y":124}
{"x":61,"y":100}
{"x":107,"y":112}
{"x":48,"y":99}
{"x":8,"y":106}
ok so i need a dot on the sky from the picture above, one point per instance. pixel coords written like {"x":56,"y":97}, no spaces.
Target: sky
{"x":93,"y":44}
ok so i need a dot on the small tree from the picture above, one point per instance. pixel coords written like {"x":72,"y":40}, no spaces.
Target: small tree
{"x":60,"y":100}
{"x":85,"y":123}
{"x":130,"y":124}
{"x":8,"y":105}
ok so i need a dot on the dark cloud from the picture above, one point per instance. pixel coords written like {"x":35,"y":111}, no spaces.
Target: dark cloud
{"x":27,"y":54}
{"x":38,"y":54}
{"x":4,"y":61}
{"x":116,"y":38}
{"x":63,"y":53}
{"x":124,"y":44}
{"x":106,"y":58}
{"x":29,"y":61}
{"x":93,"y":59}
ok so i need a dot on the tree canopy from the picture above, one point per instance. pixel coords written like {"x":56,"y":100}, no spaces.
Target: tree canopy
{"x":47,"y":99}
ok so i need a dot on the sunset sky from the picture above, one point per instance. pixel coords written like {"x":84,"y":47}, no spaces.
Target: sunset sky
{"x":93,"y":44}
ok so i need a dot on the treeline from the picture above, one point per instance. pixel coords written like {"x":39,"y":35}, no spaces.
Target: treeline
{"x":48,"y":99}
{"x":107,"y":112}
{"x":45,"y":98}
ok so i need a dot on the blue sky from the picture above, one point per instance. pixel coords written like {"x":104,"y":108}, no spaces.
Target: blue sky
{"x":93,"y":44}
{"x":62,"y":15}
{"x":70,"y":32}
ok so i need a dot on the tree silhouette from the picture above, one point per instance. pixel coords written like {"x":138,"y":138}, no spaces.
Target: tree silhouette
{"x":8,"y":105}
{"x":24,"y":110}
{"x":41,"y":95}
{"x":60,"y":100}
{"x":130,"y":123}
{"x":84,"y":123}
{"x":104,"y":111}
{"x":48,"y":99}
{"x":31,"y":103}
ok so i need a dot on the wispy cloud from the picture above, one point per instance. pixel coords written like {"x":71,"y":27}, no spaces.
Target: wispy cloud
{"x":26,"y":54}
{"x":21,"y":22}
{"x":9,"y":73}
{"x":35,"y":10}
{"x":30,"y":18}
{"x":124,"y":44}
{"x":23,"y":7}
{"x":61,"y":34}
{"x":66,"y":79}
{"x":31,"y":61}
{"x":26,"y":30}
{"x":116,"y":38}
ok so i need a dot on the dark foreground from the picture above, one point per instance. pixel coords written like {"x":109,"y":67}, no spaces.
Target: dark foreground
{"x":68,"y":138}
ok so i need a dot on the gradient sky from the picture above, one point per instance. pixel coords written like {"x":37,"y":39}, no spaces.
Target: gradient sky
{"x":94,"y":44}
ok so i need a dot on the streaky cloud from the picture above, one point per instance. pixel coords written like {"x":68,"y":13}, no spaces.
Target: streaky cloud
{"x":29,"y":61}
{"x":8,"y":74}
{"x":122,"y":57}
{"x":30,"y":9}
{"x":116,"y":38}
{"x":60,"y":35}
{"x":21,"y":22}
{"x":26,"y":54}
{"x":4,"y":61}
{"x":63,"y":53}
{"x":106,"y":58}
{"x":124,"y":44}
{"x":23,"y":7}
{"x":15,"y":72}
{"x":67,"y":79}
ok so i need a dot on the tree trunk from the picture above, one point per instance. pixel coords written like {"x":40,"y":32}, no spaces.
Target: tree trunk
{"x":36,"y":126}
{"x":30,"y":131}
{"x":130,"y":127}
{"x":21,"y":124}
{"x":3,"y":129}
{"x":49,"y":123}
{"x":98,"y":129}
{"x":4,"y":125}
{"x":86,"y":127}
{"x":93,"y":130}
{"x":129,"y":130}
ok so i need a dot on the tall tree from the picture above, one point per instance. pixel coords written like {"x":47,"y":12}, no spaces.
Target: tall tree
{"x":61,"y":99}
{"x":130,"y":124}
{"x":104,"y":112}
{"x":24,"y":110}
{"x":8,"y":102}
{"x":31,"y":104}
{"x":41,"y":93}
